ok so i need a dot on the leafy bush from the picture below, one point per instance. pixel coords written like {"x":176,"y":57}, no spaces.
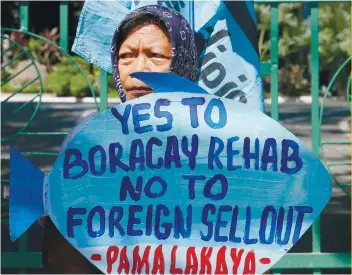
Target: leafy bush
{"x":31,"y":89}
{"x":8,"y":88}
{"x":68,"y":80}
{"x":58,"y":83}
{"x":293,"y":81}
{"x":34,"y":48}
{"x":62,"y":75}
{"x":294,"y":43}
{"x":34,"y":88}
{"x":44,"y":52}
{"x":79,"y":86}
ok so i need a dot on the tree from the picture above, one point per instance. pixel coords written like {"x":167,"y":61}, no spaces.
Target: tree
{"x":294,"y":42}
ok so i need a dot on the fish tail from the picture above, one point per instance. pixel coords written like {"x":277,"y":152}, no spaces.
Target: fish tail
{"x":26,"y":193}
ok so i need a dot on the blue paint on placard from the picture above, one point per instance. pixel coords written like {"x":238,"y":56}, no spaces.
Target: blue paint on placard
{"x":198,"y":180}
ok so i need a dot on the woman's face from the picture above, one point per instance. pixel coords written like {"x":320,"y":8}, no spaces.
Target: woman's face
{"x":146,"y":49}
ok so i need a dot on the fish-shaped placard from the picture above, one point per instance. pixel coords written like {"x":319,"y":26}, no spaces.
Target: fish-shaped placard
{"x":178,"y":181}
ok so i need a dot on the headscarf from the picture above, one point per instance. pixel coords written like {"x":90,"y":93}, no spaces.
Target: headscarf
{"x":184,"y":58}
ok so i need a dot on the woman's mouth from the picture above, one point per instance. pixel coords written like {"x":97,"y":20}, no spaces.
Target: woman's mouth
{"x":135,"y":92}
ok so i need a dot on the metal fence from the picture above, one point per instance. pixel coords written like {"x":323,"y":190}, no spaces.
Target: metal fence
{"x":316,"y":261}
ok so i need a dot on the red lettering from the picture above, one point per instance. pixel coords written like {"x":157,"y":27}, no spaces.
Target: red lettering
{"x":111,"y":257}
{"x":159,"y":264}
{"x":236,"y":259}
{"x":96,"y":257}
{"x":173,"y":269}
{"x":124,"y":263}
{"x":191,"y":261}
{"x":249,"y":263}
{"x":221,"y":266}
{"x":265,"y":260}
{"x":138,"y":263}
{"x":205,"y":264}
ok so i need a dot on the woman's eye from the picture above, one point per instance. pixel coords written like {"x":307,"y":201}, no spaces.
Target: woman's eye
{"x":125,"y":55}
{"x":157,"y":55}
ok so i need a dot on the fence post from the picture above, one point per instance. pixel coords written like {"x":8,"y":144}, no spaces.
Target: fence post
{"x":64,"y":25}
{"x":24,"y":15}
{"x":274,"y":56}
{"x":103,"y":90}
{"x":24,"y":23}
{"x":314,"y":44}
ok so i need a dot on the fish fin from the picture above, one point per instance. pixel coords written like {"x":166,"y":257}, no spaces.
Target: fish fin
{"x":168,"y":82}
{"x":26,"y":193}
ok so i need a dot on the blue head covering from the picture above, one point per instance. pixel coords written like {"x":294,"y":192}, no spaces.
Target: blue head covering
{"x":184,"y":61}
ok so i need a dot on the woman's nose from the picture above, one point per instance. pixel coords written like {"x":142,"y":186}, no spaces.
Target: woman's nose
{"x":142,"y":64}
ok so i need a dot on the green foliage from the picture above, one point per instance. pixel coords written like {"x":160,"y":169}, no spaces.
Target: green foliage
{"x":58,"y":83}
{"x":34,"y":48}
{"x":294,"y":42}
{"x":67,"y":66}
{"x":293,"y":81}
{"x":335,"y":33}
{"x":67,"y":76}
{"x":46,"y":53}
{"x":34,"y":88}
{"x":79,"y":86}
{"x":111,"y":88}
{"x":8,"y":88}
{"x":68,"y":80}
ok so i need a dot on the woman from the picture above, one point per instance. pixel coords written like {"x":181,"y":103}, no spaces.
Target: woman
{"x":151,"y":38}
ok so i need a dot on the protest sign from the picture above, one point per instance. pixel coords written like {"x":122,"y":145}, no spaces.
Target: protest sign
{"x":176,"y":182}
